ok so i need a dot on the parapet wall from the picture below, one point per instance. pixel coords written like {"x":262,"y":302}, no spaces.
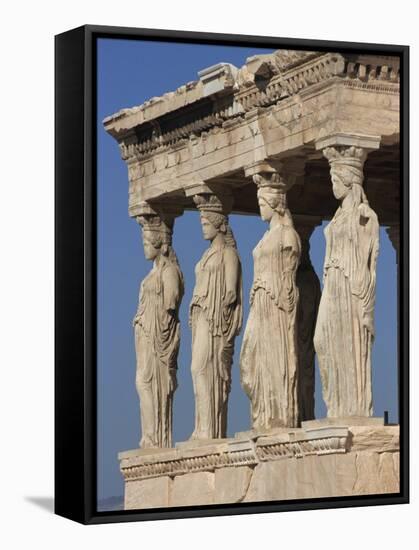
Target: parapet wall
{"x":318,"y":460}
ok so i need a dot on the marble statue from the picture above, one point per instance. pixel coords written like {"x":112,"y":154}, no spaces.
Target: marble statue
{"x":270,"y":119}
{"x":268,"y":360}
{"x":345,"y":323}
{"x":308,"y":285}
{"x":157,"y":333}
{"x":216,"y":318}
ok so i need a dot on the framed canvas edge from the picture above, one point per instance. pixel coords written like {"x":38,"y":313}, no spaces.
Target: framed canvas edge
{"x":76,"y":418}
{"x":70,"y":183}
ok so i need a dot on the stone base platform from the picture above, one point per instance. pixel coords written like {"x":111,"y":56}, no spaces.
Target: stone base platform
{"x":325,"y":458}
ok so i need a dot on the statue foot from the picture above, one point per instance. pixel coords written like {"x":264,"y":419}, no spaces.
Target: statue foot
{"x":198,"y":434}
{"x":147,"y":442}
{"x":194,"y":435}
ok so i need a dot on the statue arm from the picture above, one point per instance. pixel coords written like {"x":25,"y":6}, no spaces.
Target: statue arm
{"x":136,"y":316}
{"x":326,"y":256}
{"x":369,"y":241}
{"x":291,"y":251}
{"x":171,"y":288}
{"x":232,"y":275}
{"x":292,"y":247}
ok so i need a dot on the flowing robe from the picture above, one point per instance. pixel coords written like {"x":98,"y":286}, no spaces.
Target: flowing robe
{"x":268,"y":360}
{"x":157,"y":339}
{"x":345,"y":322}
{"x":214,"y":328}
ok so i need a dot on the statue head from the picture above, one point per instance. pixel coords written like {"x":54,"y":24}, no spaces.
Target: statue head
{"x":344,"y":178}
{"x":214,"y":219}
{"x":270,"y":201}
{"x":152,"y":243}
{"x":271,"y":195}
{"x":346,"y":171}
{"x":157,"y":236}
{"x":213,"y":224}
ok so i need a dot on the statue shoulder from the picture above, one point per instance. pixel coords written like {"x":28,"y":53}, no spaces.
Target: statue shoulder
{"x":368,"y":218}
{"x":231,"y":259}
{"x":290,"y":237}
{"x":230,"y":253}
{"x":171,"y":271}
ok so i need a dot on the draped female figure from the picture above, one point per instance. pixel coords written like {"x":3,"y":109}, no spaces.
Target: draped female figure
{"x":345,"y":323}
{"x":268,"y":360}
{"x":215,"y":318}
{"x":157,"y":336}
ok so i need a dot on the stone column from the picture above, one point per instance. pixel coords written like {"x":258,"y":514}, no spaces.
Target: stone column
{"x":156,"y":325}
{"x":268,"y":360}
{"x":215,"y":314}
{"x":308,"y":285}
{"x":345,"y":323}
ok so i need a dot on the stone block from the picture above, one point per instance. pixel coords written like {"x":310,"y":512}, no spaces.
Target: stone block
{"x":317,"y":462}
{"x":232,"y":484}
{"x":346,"y":474}
{"x":367,"y":473}
{"x":389,"y":473}
{"x":193,"y":489}
{"x":323,"y":472}
{"x":396,"y":464}
{"x":378,"y":439}
{"x":276,"y":480}
{"x":305,"y":482}
{"x":344,"y":421}
{"x":147,"y":493}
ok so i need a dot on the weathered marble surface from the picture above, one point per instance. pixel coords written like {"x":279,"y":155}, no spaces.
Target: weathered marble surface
{"x":157,"y":332}
{"x":321,"y":461}
{"x":345,"y":323}
{"x":285,"y":107}
{"x":268,"y":359}
{"x":226,"y":119}
{"x":215,"y":318}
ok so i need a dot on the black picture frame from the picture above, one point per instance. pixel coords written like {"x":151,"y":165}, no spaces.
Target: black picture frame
{"x":75,"y":275}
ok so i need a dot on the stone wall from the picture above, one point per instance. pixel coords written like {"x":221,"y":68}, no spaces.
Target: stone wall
{"x":318,"y":460}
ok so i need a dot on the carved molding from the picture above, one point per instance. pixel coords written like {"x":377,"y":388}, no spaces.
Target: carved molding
{"x":285,"y":73}
{"x":167,"y":210}
{"x":188,"y":465}
{"x":218,"y":202}
{"x":344,"y":140}
{"x":245,"y":452}
{"x":282,"y":174}
{"x":299,"y":449}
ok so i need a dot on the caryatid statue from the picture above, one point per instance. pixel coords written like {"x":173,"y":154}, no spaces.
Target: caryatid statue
{"x":157,"y":331}
{"x":215,"y":318}
{"x":308,"y":304}
{"x":268,"y":360}
{"x":345,"y":322}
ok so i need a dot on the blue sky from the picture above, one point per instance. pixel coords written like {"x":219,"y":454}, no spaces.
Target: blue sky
{"x":130,"y":72}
